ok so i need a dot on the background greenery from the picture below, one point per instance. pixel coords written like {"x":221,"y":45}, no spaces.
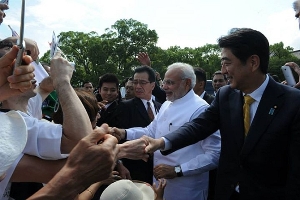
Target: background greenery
{"x":115,"y":50}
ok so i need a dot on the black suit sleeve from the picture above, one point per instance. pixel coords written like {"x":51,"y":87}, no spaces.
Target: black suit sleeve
{"x":293,"y":181}
{"x":198,"y":129}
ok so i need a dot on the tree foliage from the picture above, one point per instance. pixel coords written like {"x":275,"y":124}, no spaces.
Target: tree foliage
{"x":115,"y":50}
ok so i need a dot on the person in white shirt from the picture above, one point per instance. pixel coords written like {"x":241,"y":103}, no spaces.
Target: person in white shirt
{"x":186,"y":170}
{"x":47,"y":140}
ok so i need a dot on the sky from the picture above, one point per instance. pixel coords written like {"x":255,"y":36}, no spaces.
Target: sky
{"x":188,"y":23}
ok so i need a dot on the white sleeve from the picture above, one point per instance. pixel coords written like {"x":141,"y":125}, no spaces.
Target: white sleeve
{"x":137,"y":132}
{"x":208,"y":160}
{"x":44,"y":138}
{"x":34,"y":106}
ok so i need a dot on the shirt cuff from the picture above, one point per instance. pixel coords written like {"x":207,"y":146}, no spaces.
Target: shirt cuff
{"x":168,"y":144}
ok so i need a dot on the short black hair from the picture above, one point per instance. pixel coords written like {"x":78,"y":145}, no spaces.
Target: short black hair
{"x":245,"y":42}
{"x":108,"y":78}
{"x":219,"y":73}
{"x":200,"y":74}
{"x":148,"y":70}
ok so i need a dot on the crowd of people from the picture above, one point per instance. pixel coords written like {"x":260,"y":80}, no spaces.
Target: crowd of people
{"x":163,"y":139}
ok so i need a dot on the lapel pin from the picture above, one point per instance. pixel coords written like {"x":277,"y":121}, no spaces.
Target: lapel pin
{"x":271,"y":112}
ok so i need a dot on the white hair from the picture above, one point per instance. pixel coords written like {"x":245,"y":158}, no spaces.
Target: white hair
{"x":187,"y":71}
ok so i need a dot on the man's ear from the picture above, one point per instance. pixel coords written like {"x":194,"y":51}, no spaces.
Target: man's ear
{"x":254,"y":62}
{"x":188,"y":82}
{"x":201,"y":83}
{"x":153,"y":85}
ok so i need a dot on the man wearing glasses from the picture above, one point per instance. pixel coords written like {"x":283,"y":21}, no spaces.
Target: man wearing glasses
{"x":139,"y":112}
{"x":186,"y":170}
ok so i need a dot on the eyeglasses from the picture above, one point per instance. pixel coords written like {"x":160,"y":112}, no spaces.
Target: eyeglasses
{"x":170,"y":82}
{"x":141,"y":82}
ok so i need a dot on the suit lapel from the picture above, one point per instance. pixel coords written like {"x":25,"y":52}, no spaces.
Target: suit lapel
{"x":236,"y":116}
{"x":269,"y":105}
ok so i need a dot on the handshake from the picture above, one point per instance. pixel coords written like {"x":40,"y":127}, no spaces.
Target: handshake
{"x":136,"y":149}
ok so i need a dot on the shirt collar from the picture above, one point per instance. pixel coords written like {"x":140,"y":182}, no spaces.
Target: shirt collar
{"x":257,"y":94}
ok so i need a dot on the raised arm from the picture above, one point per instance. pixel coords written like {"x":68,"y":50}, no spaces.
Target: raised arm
{"x":76,"y":123}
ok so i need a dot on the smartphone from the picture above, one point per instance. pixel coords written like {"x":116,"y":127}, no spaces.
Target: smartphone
{"x":288,"y":75}
{"x":20,"y":42}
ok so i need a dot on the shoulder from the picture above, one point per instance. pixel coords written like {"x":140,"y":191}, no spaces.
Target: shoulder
{"x":281,"y":89}
{"x":156,"y":103}
{"x":127,"y":102}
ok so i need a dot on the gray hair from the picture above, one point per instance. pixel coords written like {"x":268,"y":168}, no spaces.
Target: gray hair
{"x":187,"y":71}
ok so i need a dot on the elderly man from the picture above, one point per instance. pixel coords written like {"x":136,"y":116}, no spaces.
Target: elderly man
{"x":134,"y":113}
{"x":186,"y":170}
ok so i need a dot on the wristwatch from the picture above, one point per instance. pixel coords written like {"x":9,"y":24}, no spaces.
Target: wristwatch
{"x":178,"y":171}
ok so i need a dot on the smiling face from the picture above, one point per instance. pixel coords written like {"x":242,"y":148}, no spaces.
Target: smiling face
{"x":239,"y":75}
{"x":174,"y":86}
{"x":109,"y":92}
{"x":218,"y":81}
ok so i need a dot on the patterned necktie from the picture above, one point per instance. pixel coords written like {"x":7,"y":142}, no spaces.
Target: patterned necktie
{"x":149,"y":110}
{"x":246,"y":109}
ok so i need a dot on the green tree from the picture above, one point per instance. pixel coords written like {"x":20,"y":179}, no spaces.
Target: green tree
{"x":129,"y":37}
{"x":279,"y":55}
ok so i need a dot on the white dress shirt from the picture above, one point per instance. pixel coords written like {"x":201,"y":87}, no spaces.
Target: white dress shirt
{"x":195,"y":160}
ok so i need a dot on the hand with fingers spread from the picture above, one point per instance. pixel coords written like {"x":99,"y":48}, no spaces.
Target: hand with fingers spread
{"x":144,"y":59}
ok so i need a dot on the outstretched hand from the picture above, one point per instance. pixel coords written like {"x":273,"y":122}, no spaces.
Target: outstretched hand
{"x":144,"y":59}
{"x":134,"y":149}
{"x":94,"y":156}
{"x":153,"y":144}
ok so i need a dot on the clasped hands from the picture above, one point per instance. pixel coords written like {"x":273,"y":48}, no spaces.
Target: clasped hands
{"x":136,"y":149}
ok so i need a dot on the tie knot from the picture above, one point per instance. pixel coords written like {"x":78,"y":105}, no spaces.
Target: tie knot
{"x":248,"y":99}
